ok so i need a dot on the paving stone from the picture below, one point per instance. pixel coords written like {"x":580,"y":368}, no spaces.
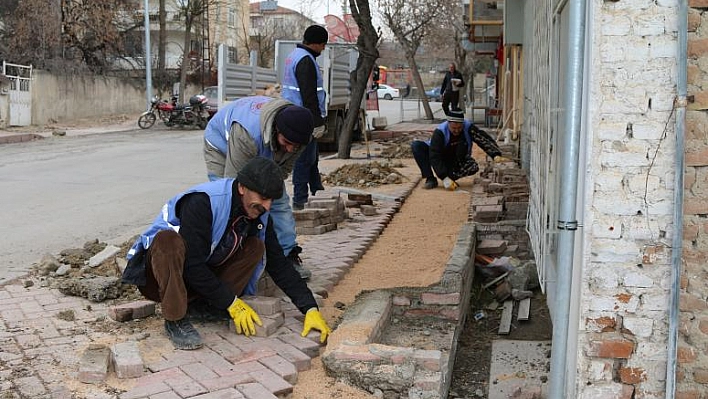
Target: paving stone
{"x":273,"y":382}
{"x":304,"y":345}
{"x":30,"y":386}
{"x":282,"y":367}
{"x":300,"y":360}
{"x":229,"y":393}
{"x":264,"y":306}
{"x":145,"y":391}
{"x":255,"y":391}
{"x":94,"y":364}
{"x":126,"y":360}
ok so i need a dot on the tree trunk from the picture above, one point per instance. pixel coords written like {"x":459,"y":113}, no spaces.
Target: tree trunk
{"x":185,"y":54}
{"x":421,"y":87}
{"x":368,"y":54}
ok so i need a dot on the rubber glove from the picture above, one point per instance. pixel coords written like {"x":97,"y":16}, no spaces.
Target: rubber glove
{"x":500,"y":158}
{"x":313,"y":319}
{"x":244,"y":316}
{"x":449,"y":184}
{"x":318,"y":132}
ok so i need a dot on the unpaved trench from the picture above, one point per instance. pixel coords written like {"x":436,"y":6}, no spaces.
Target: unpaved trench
{"x":411,"y":252}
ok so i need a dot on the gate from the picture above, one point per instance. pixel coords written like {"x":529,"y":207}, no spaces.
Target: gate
{"x":20,"y":93}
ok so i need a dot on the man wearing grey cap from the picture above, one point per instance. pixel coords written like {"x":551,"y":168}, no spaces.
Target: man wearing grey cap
{"x":207,"y":245}
{"x":266,"y":127}
{"x":449,"y":151}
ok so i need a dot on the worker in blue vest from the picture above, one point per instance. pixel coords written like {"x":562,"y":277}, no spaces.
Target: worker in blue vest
{"x":449,"y":151}
{"x":267,"y":127}
{"x":303,"y":85}
{"x":208,"y":244}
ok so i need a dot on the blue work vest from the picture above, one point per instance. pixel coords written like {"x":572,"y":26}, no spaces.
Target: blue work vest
{"x":247,"y":113}
{"x":220,"y":193}
{"x":291,"y":90}
{"x":445,"y":128}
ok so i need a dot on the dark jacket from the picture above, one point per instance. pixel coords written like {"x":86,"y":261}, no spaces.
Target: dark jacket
{"x":444,"y":157}
{"x":306,"y":76}
{"x":447,"y":81}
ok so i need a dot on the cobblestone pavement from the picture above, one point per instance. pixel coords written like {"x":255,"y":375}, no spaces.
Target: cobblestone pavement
{"x":44,"y":335}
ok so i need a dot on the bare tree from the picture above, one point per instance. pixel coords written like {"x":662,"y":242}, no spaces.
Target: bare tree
{"x":367,"y":44}
{"x":269,"y":32}
{"x":31,"y":37}
{"x":411,"y":21}
{"x":192,"y":10}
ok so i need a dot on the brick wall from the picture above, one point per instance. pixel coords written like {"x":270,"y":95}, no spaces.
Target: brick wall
{"x":626,"y":183}
{"x":692,"y":362}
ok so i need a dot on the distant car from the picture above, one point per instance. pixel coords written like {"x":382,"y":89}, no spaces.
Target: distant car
{"x":433,"y":94}
{"x":387,"y":92}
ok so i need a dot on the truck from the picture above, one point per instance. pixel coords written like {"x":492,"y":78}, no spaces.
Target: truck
{"x":337,"y":61}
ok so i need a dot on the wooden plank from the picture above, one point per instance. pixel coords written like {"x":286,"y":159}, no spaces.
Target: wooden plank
{"x":524,"y":308}
{"x":505,"y":323}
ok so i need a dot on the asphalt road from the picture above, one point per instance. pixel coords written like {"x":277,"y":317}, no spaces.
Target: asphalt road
{"x":59,"y":192}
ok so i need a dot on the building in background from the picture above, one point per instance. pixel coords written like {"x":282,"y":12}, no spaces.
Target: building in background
{"x":270,"y":22}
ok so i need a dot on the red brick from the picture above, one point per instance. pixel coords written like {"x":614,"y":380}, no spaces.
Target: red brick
{"x":612,"y":347}
{"x":703,"y":326}
{"x":698,"y":3}
{"x":688,"y":302}
{"x":431,"y":298}
{"x":700,"y":376}
{"x":601,"y":324}
{"x":687,"y":394}
{"x":697,"y":47}
{"x":632,"y":375}
{"x":686,"y":354}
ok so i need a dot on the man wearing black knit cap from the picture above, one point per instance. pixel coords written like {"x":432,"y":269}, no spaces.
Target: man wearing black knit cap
{"x":449,"y":151}
{"x":207,"y":245}
{"x":303,"y":85}
{"x":266,"y":127}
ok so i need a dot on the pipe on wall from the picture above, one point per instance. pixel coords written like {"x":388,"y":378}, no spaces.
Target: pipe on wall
{"x":679,"y":159}
{"x":567,"y":223}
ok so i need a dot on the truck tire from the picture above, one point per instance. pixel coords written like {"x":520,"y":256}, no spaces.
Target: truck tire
{"x":333,"y":146}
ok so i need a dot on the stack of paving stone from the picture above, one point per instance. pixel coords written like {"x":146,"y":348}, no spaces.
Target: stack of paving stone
{"x":320,"y":215}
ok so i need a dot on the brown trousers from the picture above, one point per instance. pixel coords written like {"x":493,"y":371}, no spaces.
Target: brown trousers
{"x":164,"y":266}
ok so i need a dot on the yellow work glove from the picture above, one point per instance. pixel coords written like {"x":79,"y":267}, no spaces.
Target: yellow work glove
{"x":500,"y":158}
{"x":449,"y":184}
{"x":244,"y":316}
{"x":313,"y":319}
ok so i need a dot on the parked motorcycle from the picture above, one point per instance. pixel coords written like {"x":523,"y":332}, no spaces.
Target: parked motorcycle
{"x":192,"y":114}
{"x":158,"y":108}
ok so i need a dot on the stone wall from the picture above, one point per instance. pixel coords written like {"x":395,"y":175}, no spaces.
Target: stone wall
{"x":692,"y":367}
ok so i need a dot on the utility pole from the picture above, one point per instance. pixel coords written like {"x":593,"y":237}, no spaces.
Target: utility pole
{"x":148,"y":66}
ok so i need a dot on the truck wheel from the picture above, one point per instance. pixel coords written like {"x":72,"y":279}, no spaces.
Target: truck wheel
{"x":334,"y":145}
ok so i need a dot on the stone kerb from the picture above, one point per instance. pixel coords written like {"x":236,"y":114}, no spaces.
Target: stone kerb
{"x":355,"y":352}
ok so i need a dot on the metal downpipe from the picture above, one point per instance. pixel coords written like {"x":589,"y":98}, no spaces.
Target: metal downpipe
{"x":680,"y":164}
{"x":567,"y":223}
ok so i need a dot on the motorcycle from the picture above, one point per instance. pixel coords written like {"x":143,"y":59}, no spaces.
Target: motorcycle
{"x":192,"y":114}
{"x":158,"y":108}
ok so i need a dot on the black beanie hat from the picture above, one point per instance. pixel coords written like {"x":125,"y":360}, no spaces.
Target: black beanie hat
{"x":315,"y":34}
{"x":263,"y":176}
{"x":456,"y":116}
{"x":295,"y":123}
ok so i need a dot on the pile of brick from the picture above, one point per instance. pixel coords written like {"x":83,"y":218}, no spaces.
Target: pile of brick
{"x":320,"y":215}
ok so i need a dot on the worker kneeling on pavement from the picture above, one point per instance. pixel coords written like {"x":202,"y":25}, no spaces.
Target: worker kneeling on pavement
{"x":448,"y":152}
{"x":207,"y":246}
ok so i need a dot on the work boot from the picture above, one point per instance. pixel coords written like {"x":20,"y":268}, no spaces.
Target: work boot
{"x":182,"y":334}
{"x":294,"y":256}
{"x":298,"y":207}
{"x":430,"y":182}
